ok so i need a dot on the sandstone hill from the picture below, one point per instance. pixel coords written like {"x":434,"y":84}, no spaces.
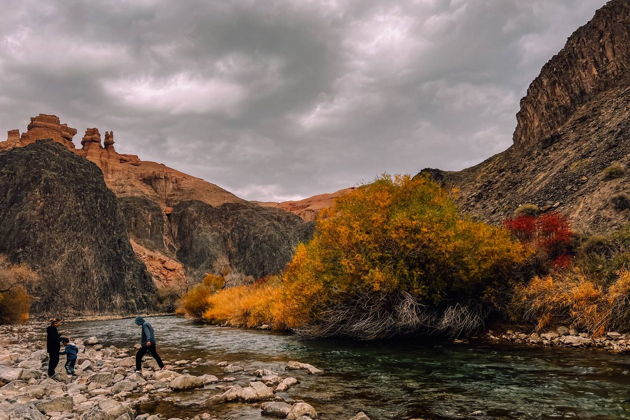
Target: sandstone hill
{"x":573,"y":125}
{"x":57,"y":215}
{"x":308,"y":208}
{"x":179,"y":226}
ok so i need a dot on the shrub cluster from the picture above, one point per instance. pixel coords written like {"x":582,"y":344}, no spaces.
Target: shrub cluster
{"x":15,"y":301}
{"x":571,"y":298}
{"x":392,"y":257}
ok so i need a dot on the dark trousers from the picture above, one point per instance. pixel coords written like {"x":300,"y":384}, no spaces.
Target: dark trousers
{"x":53,"y":361}
{"x":70,"y":366}
{"x":152,"y":350}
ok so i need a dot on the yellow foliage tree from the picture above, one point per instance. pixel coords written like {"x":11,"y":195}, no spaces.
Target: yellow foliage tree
{"x":394,"y":235}
{"x":15,"y":301}
{"x":380,"y":257}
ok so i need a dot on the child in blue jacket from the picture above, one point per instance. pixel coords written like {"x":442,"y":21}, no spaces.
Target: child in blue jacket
{"x":71,"y":351}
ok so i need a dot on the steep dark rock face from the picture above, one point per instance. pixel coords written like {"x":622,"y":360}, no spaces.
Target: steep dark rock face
{"x":57,"y":215}
{"x":257,"y":241}
{"x":146,"y":222}
{"x":573,"y":124}
{"x":593,"y":60}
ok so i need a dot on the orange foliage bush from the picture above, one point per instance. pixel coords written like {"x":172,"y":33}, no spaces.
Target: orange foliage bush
{"x":382,"y":255}
{"x":15,"y":302}
{"x":572,"y":299}
{"x":195,"y":302}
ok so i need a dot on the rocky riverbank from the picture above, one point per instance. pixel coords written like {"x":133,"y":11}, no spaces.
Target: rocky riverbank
{"x":107,"y":388}
{"x":612,"y":341}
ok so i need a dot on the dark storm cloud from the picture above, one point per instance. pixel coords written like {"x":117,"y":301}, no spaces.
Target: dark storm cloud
{"x":277,"y":100}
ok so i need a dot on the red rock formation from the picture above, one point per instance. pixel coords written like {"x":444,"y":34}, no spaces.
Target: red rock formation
{"x":109,"y":141}
{"x":43,"y":126}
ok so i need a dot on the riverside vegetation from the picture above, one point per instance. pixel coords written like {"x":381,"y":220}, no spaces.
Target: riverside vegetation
{"x":396,"y":257}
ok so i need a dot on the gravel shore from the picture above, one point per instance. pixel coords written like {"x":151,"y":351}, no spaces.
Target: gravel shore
{"x":107,"y":388}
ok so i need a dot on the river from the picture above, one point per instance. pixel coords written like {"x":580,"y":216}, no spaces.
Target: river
{"x":395,"y":379}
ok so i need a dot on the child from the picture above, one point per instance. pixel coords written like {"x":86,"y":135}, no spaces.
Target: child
{"x":71,"y":352}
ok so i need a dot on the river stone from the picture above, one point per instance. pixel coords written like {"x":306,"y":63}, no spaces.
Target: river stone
{"x":124,"y":386}
{"x":35,"y":391}
{"x":286,"y":384}
{"x":232,"y":394}
{"x":8,"y":374}
{"x":360,"y":416}
{"x":575,"y":341}
{"x":101,"y":378}
{"x":60,"y":404}
{"x":562,"y":331}
{"x":264,"y":372}
{"x":92,"y":341}
{"x":302,"y":409}
{"x":233,"y":367}
{"x":183,"y":382}
{"x":303,"y":366}
{"x":165,"y":374}
{"x":275,"y":409}
{"x":209,"y":379}
{"x":25,"y":412}
{"x":262,"y":390}
{"x":613,"y":335}
{"x":127,"y":362}
{"x":549,"y":335}
{"x":113,"y":409}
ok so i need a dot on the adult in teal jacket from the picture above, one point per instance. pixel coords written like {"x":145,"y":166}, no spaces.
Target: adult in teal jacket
{"x":147,"y":343}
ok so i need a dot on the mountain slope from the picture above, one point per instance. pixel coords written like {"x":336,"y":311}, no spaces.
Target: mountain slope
{"x":249,"y":240}
{"x":57,"y":215}
{"x":573,"y":124}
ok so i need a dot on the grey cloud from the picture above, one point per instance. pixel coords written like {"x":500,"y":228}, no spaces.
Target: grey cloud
{"x":280,"y":99}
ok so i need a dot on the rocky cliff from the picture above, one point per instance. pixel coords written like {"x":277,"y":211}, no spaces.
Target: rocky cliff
{"x":58,"y":216}
{"x":156,"y":203}
{"x":571,"y":150}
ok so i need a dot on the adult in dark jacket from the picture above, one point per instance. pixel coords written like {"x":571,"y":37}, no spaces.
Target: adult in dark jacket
{"x":147,"y":343}
{"x":53,"y":340}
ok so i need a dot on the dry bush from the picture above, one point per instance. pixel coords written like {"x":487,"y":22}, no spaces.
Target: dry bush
{"x":15,"y":301}
{"x":195,"y":302}
{"x":614,"y":171}
{"x":245,"y":306}
{"x":570,"y":298}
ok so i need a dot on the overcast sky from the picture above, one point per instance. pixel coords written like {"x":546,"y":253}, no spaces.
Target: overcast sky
{"x":279,"y":100}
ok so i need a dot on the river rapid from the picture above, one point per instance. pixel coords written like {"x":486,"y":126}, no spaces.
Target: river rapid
{"x":394,"y":379}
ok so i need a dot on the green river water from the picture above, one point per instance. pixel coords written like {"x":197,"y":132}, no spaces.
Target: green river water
{"x":394,"y":379}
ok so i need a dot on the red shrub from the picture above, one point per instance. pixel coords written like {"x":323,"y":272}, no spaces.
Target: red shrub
{"x":549,"y":233}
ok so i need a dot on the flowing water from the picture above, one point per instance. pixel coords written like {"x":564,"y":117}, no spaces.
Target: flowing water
{"x":395,"y":379}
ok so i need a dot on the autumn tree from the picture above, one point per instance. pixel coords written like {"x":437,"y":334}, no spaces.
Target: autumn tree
{"x":15,"y":301}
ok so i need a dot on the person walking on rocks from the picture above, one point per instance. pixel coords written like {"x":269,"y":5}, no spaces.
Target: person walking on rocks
{"x":53,"y":340}
{"x":71,"y":351}
{"x":147,"y":344}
